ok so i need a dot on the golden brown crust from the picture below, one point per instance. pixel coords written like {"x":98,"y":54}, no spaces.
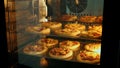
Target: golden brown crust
{"x":61,"y":53}
{"x":73,"y":45}
{"x":48,"y":42}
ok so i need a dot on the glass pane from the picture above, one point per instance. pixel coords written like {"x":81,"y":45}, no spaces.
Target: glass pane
{"x":68,"y":30}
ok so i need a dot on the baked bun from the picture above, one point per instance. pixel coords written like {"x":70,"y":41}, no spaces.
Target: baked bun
{"x":48,"y":42}
{"x":61,"y":53}
{"x":52,"y":25}
{"x":88,"y":57}
{"x":73,"y":45}
{"x":67,"y":32}
{"x":95,"y":47}
{"x":39,"y":30}
{"x":35,"y":50}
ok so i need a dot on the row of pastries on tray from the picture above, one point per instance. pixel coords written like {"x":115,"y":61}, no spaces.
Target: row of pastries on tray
{"x":65,"y":50}
{"x":68,"y":29}
{"x":86,"y":18}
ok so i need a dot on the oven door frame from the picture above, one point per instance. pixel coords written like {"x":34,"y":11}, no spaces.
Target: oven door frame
{"x":110,"y":45}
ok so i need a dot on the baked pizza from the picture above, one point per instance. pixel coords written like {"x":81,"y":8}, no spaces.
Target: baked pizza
{"x":99,"y":19}
{"x":95,"y":47}
{"x":35,"y":49}
{"x":48,"y":42}
{"x":73,"y":45}
{"x":75,"y":26}
{"x":67,"y":18}
{"x":61,"y":53}
{"x":67,"y":32}
{"x":39,"y":30}
{"x":88,"y":19}
{"x":52,"y":25}
{"x":95,"y":31}
{"x":88,"y":57}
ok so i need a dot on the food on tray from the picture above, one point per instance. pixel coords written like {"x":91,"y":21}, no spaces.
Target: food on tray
{"x":39,"y":30}
{"x":99,"y":19}
{"x":61,"y":53}
{"x":35,"y":50}
{"x":48,"y":42}
{"x":73,"y":45}
{"x":66,"y":32}
{"x":95,"y":47}
{"x":88,"y":19}
{"x":67,"y":18}
{"x":75,"y":26}
{"x":88,"y":57}
{"x":52,"y":25}
{"x":95,"y":31}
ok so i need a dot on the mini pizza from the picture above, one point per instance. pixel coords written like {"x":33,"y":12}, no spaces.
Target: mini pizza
{"x":68,"y":18}
{"x":88,"y":19}
{"x":95,"y":47}
{"x":88,"y":57}
{"x":94,"y":34}
{"x":35,"y":49}
{"x":99,"y":19}
{"x":97,"y":28}
{"x":95,"y":31}
{"x":39,"y":30}
{"x":75,"y":26}
{"x":48,"y":42}
{"x":61,"y":53}
{"x":52,"y":25}
{"x":73,"y":45}
{"x":67,"y":32}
